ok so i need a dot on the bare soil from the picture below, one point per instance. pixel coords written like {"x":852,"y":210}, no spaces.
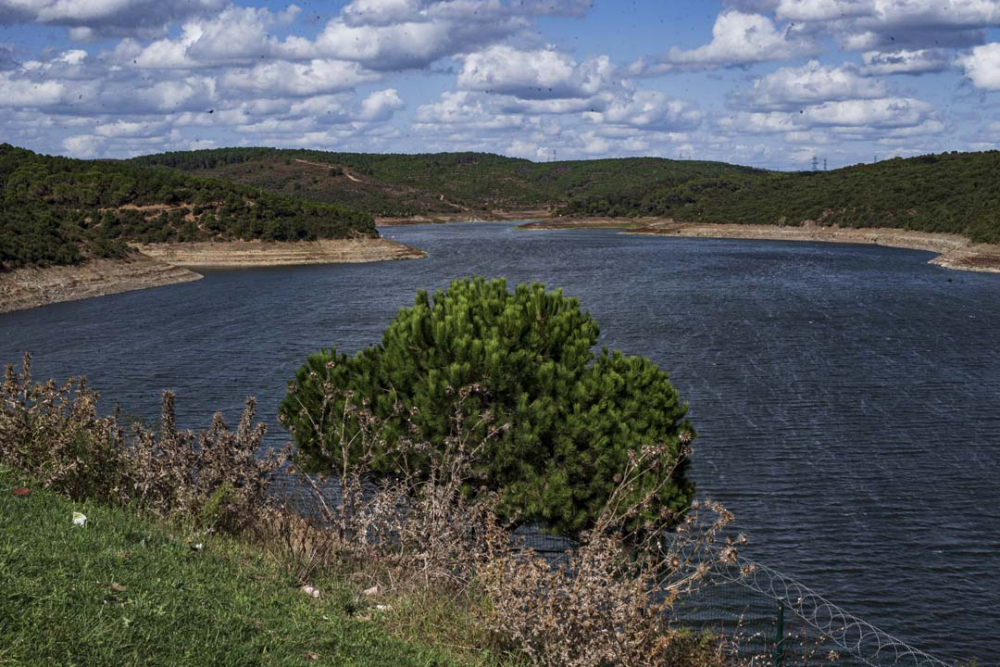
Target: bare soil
{"x":472,"y":216}
{"x":163,"y":264}
{"x":31,"y":287}
{"x":258,"y":253}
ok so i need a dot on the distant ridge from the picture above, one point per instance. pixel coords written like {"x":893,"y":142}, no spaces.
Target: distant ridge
{"x":402,"y":185}
{"x":956,"y":193}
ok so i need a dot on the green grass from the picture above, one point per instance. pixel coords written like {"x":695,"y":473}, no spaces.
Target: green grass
{"x":226,"y":604}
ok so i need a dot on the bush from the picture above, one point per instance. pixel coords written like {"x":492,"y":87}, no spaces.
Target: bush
{"x":216,"y":478}
{"x":560,"y":421}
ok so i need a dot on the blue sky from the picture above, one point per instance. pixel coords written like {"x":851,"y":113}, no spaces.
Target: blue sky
{"x":769,"y":83}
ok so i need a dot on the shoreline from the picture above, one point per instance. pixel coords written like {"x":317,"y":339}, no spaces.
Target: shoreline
{"x":33,"y":287}
{"x":478,"y":216}
{"x":954,"y":251}
{"x":159,"y":265}
{"x":246,"y":254}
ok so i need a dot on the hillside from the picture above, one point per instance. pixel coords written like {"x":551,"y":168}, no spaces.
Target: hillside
{"x":443,"y":183}
{"x":56,"y":211}
{"x":956,"y":193}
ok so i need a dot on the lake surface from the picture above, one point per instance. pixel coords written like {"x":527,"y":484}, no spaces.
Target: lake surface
{"x":847,"y":398}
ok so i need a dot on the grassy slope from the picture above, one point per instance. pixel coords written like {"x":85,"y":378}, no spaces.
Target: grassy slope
{"x":224,"y":605}
{"x":954,"y":192}
{"x":61,"y":211}
{"x":397,"y":184}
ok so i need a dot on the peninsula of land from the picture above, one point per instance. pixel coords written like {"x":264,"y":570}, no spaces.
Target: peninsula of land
{"x":75,"y":229}
{"x":159,"y":265}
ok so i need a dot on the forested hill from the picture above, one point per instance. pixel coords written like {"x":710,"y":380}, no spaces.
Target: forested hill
{"x":61,"y":211}
{"x":952,"y":192}
{"x":441,"y":183}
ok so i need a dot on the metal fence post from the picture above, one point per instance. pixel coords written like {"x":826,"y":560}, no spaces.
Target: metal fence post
{"x":779,"y":639}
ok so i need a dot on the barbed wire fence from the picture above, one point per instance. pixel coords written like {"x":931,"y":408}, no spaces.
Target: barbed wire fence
{"x":778,"y":621}
{"x":767,"y":618}
{"x":772,"y":620}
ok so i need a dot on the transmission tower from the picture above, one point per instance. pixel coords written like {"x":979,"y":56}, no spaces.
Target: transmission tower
{"x":815,"y":163}
{"x":824,"y":164}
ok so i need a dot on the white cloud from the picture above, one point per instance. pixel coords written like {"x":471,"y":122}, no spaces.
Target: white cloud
{"x":903,"y":61}
{"x":534,"y":75}
{"x":560,"y":106}
{"x":384,"y":12}
{"x":380,"y":106}
{"x":122,"y":128}
{"x":297,"y":79}
{"x":862,"y":118}
{"x":794,"y":87}
{"x":237,"y":35}
{"x":167,"y":96}
{"x":463,"y":108}
{"x":392,"y":35}
{"x":887,"y":25}
{"x":882,"y":113}
{"x":408,"y":45}
{"x":982,"y":66}
{"x":823,"y":10}
{"x":83,"y":145}
{"x":737,"y":39}
{"x":21,"y":92}
{"x":101,"y":18}
{"x":651,"y":110}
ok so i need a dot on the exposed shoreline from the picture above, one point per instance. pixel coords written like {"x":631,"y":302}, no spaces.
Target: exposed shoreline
{"x":165,"y":264}
{"x":478,"y":216}
{"x":243,"y":254}
{"x":26,"y":288}
{"x":954,"y":251}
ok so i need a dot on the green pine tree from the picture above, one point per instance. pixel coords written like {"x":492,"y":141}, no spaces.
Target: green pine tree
{"x":574,"y":416}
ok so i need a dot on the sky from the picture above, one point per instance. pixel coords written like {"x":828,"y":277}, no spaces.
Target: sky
{"x":768,"y":83}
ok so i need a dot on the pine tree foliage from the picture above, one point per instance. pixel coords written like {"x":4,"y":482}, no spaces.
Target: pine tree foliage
{"x":573,"y":415}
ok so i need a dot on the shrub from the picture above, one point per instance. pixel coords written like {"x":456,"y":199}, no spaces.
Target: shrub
{"x":609,"y":601}
{"x":217,"y":478}
{"x":570,"y":419}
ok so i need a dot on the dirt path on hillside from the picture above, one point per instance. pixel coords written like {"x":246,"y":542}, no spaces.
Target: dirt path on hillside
{"x":331,"y":166}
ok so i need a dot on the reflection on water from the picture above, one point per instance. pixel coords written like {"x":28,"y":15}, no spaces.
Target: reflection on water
{"x":847,"y":398}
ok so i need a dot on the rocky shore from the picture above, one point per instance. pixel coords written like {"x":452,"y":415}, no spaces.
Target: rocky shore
{"x":164,"y":264}
{"x":469,"y":216}
{"x":954,"y":251}
{"x":257,"y":253}
{"x":32,"y":287}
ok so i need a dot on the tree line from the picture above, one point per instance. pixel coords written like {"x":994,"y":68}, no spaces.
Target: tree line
{"x":57,"y":210}
{"x":957,"y":193}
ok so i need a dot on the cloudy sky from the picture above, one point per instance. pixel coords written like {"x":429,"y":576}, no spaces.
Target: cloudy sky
{"x":763,"y":82}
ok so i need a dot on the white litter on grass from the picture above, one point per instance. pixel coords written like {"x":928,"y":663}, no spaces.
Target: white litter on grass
{"x":79,"y":519}
{"x":309,"y":590}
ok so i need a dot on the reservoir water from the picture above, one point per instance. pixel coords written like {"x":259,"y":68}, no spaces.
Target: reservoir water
{"x":847,"y":398}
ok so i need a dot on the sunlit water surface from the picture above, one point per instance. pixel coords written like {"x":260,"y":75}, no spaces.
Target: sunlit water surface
{"x":847,"y":398}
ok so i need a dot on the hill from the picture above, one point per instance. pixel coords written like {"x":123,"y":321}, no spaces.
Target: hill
{"x":57,"y":210}
{"x":401,"y":185}
{"x":956,"y":193}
